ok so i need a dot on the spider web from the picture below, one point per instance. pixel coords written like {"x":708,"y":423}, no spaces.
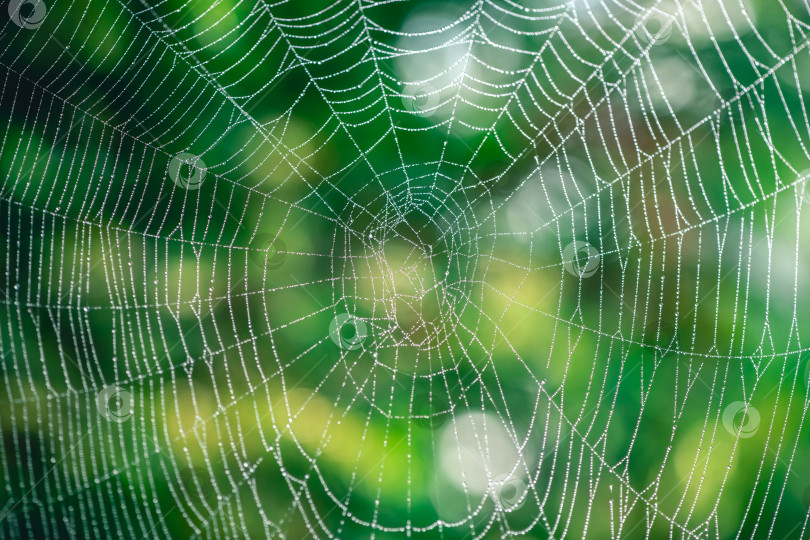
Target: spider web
{"x":391,"y":269}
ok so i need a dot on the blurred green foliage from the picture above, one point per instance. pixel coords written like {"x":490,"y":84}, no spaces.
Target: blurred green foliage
{"x":326,"y":193}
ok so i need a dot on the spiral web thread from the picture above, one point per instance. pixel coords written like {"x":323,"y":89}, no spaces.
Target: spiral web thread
{"x":476,"y":269}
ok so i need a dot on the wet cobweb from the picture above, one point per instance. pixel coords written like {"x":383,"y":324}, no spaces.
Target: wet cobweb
{"x":384,"y":269}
